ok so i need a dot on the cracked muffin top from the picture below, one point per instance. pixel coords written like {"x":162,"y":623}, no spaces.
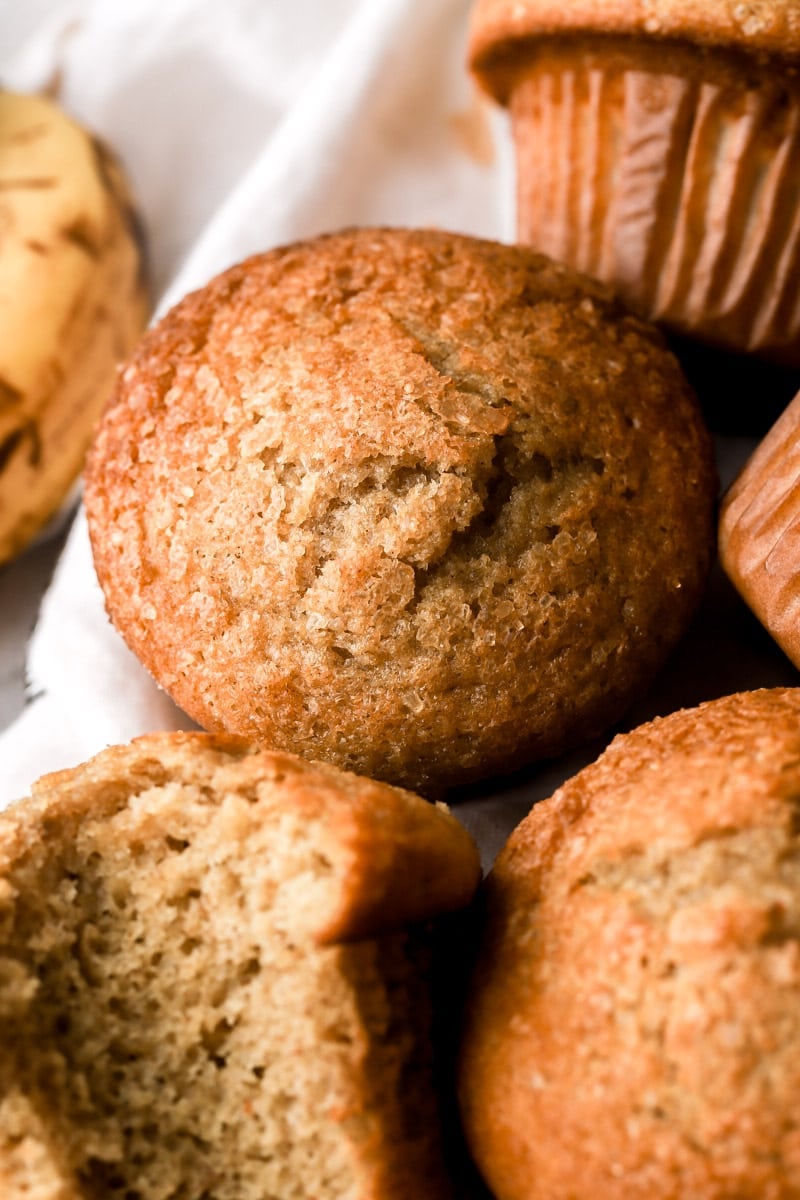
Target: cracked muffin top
{"x":633,"y":1030}
{"x":424,"y":506}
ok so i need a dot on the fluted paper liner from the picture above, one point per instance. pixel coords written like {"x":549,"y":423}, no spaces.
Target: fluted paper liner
{"x":759,"y":538}
{"x":682,"y":192}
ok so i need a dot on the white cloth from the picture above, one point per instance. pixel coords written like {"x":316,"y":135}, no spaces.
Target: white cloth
{"x":243,"y":125}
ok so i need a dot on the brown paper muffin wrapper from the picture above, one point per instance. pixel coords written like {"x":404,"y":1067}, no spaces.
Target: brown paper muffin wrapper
{"x":759,"y":532}
{"x":679,"y":186}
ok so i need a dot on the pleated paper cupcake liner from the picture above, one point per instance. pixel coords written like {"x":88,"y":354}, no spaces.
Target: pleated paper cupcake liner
{"x":759,"y":538}
{"x":682,"y":192}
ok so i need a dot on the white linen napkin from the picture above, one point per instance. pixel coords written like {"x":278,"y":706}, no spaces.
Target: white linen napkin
{"x":243,"y":126}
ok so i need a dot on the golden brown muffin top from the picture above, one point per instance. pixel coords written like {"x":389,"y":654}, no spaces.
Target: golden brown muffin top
{"x":732,"y":763}
{"x":419,"y":504}
{"x":634,"y":1032}
{"x":760,"y":27}
{"x":392,"y":858}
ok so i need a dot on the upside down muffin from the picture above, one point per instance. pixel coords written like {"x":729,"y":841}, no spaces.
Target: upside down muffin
{"x":758,"y":526}
{"x":424,"y":506}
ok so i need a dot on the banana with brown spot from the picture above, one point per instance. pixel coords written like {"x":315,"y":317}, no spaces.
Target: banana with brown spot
{"x":72,"y":303}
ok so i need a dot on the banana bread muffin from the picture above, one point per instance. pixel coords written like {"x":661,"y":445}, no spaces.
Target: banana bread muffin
{"x":658,"y":148}
{"x":214,"y":979}
{"x":421,"y":505}
{"x":633,"y":1027}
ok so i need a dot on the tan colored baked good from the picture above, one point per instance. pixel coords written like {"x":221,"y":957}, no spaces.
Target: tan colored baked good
{"x":214,"y":979}
{"x":418,"y":504}
{"x":72,"y":303}
{"x":762,"y":27}
{"x":633,"y":1028}
{"x":658,"y":148}
{"x":758,"y":531}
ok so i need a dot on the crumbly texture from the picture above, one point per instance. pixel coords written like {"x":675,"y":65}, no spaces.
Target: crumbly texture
{"x":190,"y":1007}
{"x":766,"y":29}
{"x":418,"y":504}
{"x":633,"y":1028}
{"x":758,"y":531}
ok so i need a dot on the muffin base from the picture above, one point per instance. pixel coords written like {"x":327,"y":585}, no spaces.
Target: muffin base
{"x":673,"y":173}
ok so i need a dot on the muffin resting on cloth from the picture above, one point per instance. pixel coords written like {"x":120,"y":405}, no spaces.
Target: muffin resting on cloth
{"x":214,"y":978}
{"x":759,"y":531}
{"x":633,"y":1027}
{"x":658,"y":148}
{"x":424,"y":506}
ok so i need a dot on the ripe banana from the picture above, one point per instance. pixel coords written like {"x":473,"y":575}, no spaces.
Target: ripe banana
{"x":72,"y":304}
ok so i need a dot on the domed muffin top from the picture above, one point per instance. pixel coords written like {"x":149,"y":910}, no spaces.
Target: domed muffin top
{"x":419,"y":504}
{"x":633,"y":1019}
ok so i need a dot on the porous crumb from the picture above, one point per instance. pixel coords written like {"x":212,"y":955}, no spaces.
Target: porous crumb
{"x":179,"y":1020}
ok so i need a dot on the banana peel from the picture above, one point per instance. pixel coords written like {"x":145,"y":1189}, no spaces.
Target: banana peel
{"x":73,"y":302}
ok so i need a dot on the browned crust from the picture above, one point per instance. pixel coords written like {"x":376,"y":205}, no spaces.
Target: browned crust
{"x":759,"y":28}
{"x":418,"y":504}
{"x":633,"y":1027}
{"x":284,"y":854}
{"x":396,"y":858}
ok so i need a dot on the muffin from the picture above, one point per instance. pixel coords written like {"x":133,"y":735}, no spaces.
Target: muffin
{"x":423,"y":506}
{"x":758,"y":531}
{"x":72,"y":304}
{"x":214,"y":978}
{"x":658,"y":148}
{"x":632,"y":1029}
